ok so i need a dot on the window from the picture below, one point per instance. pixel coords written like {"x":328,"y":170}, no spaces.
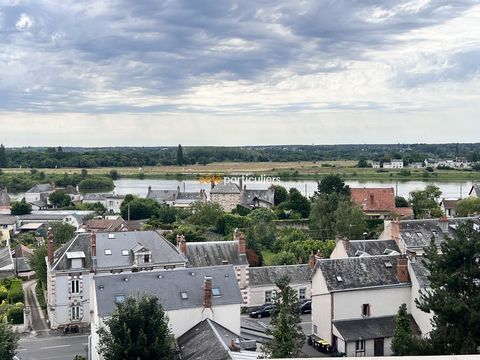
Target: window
{"x":268,"y":296}
{"x":146,"y":258}
{"x":339,"y":278}
{"x":75,"y":286}
{"x":302,"y":294}
{"x":184,"y":295}
{"x":125,"y":252}
{"x":215,"y":292}
{"x":119,"y":298}
{"x":75,"y":312}
{"x":366,"y":310}
{"x":108,"y":252}
{"x":315,"y":329}
{"x":360,"y":348}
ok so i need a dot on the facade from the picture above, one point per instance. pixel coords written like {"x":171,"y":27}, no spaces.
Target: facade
{"x":113,"y":202}
{"x":71,"y":268}
{"x":227,"y":195}
{"x":188,"y":296}
{"x":176,"y":197}
{"x":393,"y":164}
{"x":8,"y":223}
{"x":417,"y":165}
{"x":376,"y":165}
{"x":38,"y":195}
{"x":4,"y":202}
{"x":379,"y":203}
{"x":448,"y":207}
{"x":255,"y":198}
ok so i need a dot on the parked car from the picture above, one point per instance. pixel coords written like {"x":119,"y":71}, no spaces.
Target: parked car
{"x":264,"y":311}
{"x":306,"y":307}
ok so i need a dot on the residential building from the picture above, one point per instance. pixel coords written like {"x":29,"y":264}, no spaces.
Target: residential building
{"x":227,"y":195}
{"x":393,"y":164}
{"x":448,"y":207}
{"x":37,"y":196}
{"x":7,"y":267}
{"x":379,"y":203}
{"x":376,"y":165}
{"x":106,"y":225}
{"x":258,"y":198}
{"x":262,"y":282}
{"x":8,"y":223}
{"x":21,"y":257}
{"x":474,"y":191}
{"x":417,"y":165}
{"x":176,"y":197}
{"x":74,"y":218}
{"x":93,"y":198}
{"x":188,"y":296}
{"x":70,"y":269}
{"x":355,"y":300}
{"x":356,"y":248}
{"x":113,"y":202}
{"x":73,"y":192}
{"x":215,"y":253}
{"x":4,"y":202}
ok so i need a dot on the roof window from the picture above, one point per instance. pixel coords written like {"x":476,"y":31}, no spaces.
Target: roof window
{"x":216,"y":291}
{"x":111,"y":236}
{"x":339,"y":278}
{"x":108,"y":251}
{"x":183,"y":295}
{"x":125,"y":252}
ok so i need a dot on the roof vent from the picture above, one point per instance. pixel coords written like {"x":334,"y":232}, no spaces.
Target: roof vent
{"x":100,"y":287}
{"x":125,"y":279}
{"x":388,"y":264}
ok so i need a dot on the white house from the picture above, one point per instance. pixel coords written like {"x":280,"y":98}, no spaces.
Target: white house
{"x":188,"y":297}
{"x":176,"y":197}
{"x":376,"y":165}
{"x":38,"y":195}
{"x":394,"y":164}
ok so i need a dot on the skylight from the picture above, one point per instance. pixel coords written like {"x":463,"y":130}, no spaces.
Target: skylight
{"x":184,"y":295}
{"x":119,"y":298}
{"x":108,"y":252}
{"x":215,"y":292}
{"x":388,"y":264}
{"x":125,"y":252}
{"x":111,"y":236}
{"x":339,"y":278}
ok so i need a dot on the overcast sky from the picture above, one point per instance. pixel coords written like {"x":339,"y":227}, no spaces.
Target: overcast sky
{"x":220,"y":72}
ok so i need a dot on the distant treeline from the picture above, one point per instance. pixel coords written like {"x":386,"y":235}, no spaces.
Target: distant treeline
{"x":58,"y":157}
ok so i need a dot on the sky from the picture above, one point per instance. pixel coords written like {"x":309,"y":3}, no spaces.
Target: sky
{"x":210,"y":72}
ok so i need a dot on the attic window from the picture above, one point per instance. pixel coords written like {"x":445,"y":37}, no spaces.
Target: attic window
{"x":216,"y":292}
{"x":125,"y":252}
{"x":111,"y":236}
{"x":388,"y":264}
{"x":339,"y":278}
{"x":119,"y":298}
{"x":108,"y":252}
{"x":184,"y":295}
{"x":224,"y":262}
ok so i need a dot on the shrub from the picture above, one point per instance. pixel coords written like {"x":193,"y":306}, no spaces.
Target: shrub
{"x":3,"y":293}
{"x":15,"y":314}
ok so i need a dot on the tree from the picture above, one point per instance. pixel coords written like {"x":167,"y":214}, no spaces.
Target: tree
{"x":454,"y":294}
{"x":8,"y":339}
{"x":37,"y":263}
{"x":285,"y":328}
{"x":322,"y":215}
{"x":137,"y":329}
{"x":400,"y":202}
{"x":349,"y":220}
{"x":362,"y":163}
{"x":180,"y":158}
{"x":113,"y":174}
{"x":281,"y":194}
{"x":425,"y":203}
{"x":403,"y":341}
{"x":62,"y":232}
{"x":58,"y":199}
{"x":3,"y":157}
{"x":297,"y":202}
{"x":205,"y":214}
{"x":333,"y":183}
{"x":134,"y":208}
{"x":21,"y":207}
{"x":468,"y":207}
{"x":284,"y":258}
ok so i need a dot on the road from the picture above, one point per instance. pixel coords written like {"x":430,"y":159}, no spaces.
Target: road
{"x":36,"y":318}
{"x":62,"y":347}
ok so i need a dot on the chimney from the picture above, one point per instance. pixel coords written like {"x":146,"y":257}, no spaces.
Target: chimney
{"x":241,"y":183}
{"x":50,"y":246}
{"x":240,"y":237}
{"x":207,"y":292}
{"x":312,"y":261}
{"x":319,"y":255}
{"x":233,"y":346}
{"x":443,"y":224}
{"x":402,"y":269}
{"x":395,"y":231}
{"x":346,"y":243}
{"x":182,"y":244}
{"x":212,"y":184}
{"x":93,"y":243}
{"x":178,"y":188}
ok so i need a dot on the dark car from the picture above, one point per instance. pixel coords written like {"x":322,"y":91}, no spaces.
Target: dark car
{"x":264,"y":311}
{"x":306,"y":307}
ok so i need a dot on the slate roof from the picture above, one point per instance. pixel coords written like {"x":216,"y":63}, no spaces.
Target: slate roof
{"x":167,"y":286}
{"x":71,"y":190}
{"x":21,"y":264}
{"x":449,"y":203}
{"x":5,"y":257}
{"x":212,"y":253}
{"x":4,"y":198}
{"x":106,"y":225}
{"x":81,"y":242}
{"x":358,"y":272}
{"x":162,"y":195}
{"x":372,"y":247}
{"x":374,"y":199}
{"x":39,"y":188}
{"x":421,"y":272}
{"x":95,"y":196}
{"x":475,"y":190}
{"x":225,"y":188}
{"x":248,"y":196}
{"x":7,"y":220}
{"x":416,"y":234}
{"x":209,"y":340}
{"x":268,"y":275}
{"x":163,"y":252}
{"x":370,"y":328}
{"x":193,"y":196}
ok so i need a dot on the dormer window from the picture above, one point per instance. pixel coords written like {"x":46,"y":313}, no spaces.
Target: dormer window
{"x":146,"y":258}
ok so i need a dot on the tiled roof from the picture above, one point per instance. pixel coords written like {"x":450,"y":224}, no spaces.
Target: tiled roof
{"x":213,"y":253}
{"x":168,"y":285}
{"x":81,"y":242}
{"x":162,"y":195}
{"x":39,"y":188}
{"x":106,"y":225}
{"x":371,"y":247}
{"x":268,"y":275}
{"x":449,"y":203}
{"x":7,"y":220}
{"x":95,"y":196}
{"x":420,"y":271}
{"x":249,"y":195}
{"x":225,"y":188}
{"x":374,"y":199}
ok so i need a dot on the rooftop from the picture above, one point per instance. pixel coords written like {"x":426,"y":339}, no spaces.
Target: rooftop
{"x":372,"y":247}
{"x":374,"y":199}
{"x":225,"y":188}
{"x":211,"y":253}
{"x":39,"y":188}
{"x":268,"y":275}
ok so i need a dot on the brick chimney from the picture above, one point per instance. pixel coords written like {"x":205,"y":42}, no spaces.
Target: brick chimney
{"x":207,"y":292}
{"x":443,"y":224}
{"x":240,"y":237}
{"x":93,"y":243}
{"x":395,"y":231}
{"x":312,"y":261}
{"x":50,"y":246}
{"x":182,"y":244}
{"x":402,"y":269}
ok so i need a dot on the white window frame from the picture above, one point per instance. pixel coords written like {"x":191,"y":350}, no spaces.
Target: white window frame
{"x":360,"y":348}
{"x":76,"y":312}
{"x":75,"y":286}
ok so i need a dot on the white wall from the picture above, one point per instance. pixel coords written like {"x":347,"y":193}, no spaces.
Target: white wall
{"x":321,"y":307}
{"x":257,"y":293}
{"x":422,"y":319}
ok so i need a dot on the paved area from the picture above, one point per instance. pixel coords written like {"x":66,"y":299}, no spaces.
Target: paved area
{"x":48,"y":347}
{"x":35,"y":316}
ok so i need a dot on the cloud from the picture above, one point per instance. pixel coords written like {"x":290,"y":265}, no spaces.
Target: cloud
{"x":24,"y":22}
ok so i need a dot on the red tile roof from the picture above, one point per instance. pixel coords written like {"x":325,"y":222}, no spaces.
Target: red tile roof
{"x":374,"y":199}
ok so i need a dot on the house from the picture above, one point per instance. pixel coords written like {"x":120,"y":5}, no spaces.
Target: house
{"x":106,"y":225}
{"x":113,"y":202}
{"x":4,"y":202}
{"x":257,"y":198}
{"x":70,"y":269}
{"x":227,"y":195}
{"x":37,"y":196}
{"x":355,"y":300}
{"x":8,"y":223}
{"x":176,"y":197}
{"x":356,"y":248}
{"x":419,"y":279}
{"x":376,"y":165}
{"x":379,"y":203}
{"x":209,"y":340}
{"x":393,"y":164}
{"x":7,"y":267}
{"x":448,"y":207}
{"x":188,"y":296}
{"x":74,"y":218}
{"x":21,"y":257}
{"x":417,"y":165}
{"x":262,"y":282}
{"x":215,"y":253}
{"x":73,"y":192}
{"x":474,"y":191}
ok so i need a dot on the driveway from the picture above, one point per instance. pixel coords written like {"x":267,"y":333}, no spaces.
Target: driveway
{"x":35,"y":315}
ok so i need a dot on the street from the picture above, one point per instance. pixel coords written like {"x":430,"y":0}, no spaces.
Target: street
{"x":61,"y":347}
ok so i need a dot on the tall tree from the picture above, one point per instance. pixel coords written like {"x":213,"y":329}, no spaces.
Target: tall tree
{"x":3,"y":157}
{"x":468,"y":207}
{"x":454,"y":294}
{"x":21,"y":207}
{"x":281,"y":194}
{"x":425,"y":203}
{"x":288,"y":337}
{"x":403,"y":341}
{"x":8,"y":339}
{"x":349,"y":220}
{"x":137,"y":329}
{"x":333,"y":183}
{"x":180,"y":158}
{"x":58,"y":199}
{"x":37,"y":262}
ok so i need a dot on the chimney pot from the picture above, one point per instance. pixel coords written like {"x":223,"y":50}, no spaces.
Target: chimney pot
{"x":93,"y":239}
{"x":240,"y":237}
{"x":50,"y":246}
{"x":182,"y":244}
